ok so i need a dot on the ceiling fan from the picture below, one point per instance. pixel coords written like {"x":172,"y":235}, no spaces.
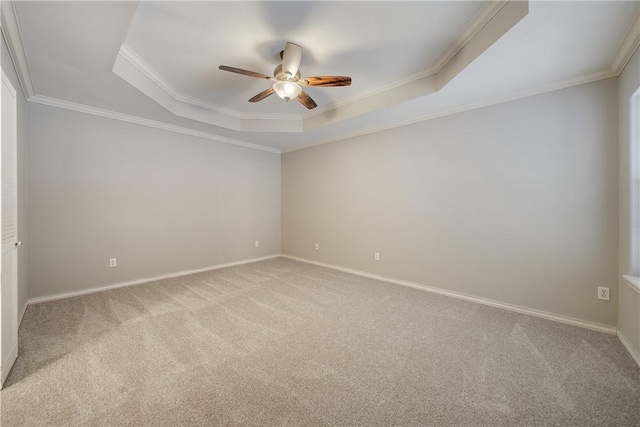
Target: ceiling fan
{"x":288,"y":81}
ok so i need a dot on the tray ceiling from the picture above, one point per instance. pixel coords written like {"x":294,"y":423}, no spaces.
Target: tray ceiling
{"x":68,"y":51}
{"x":375,"y":45}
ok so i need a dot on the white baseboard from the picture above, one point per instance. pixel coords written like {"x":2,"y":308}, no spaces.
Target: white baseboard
{"x":485,"y":301}
{"x":625,"y":342}
{"x":11,"y":357}
{"x":71,"y":294}
{"x":633,"y":282}
{"x":24,"y":310}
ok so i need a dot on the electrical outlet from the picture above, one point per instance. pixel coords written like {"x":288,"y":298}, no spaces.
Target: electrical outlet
{"x":317,"y":246}
{"x":257,"y":243}
{"x":376,"y":256}
{"x":112,"y":262}
{"x":603,"y":293}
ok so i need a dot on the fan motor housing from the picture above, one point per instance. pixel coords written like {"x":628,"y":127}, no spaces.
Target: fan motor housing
{"x":278,"y":74}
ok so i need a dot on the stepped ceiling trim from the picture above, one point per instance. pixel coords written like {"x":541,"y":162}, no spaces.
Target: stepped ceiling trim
{"x":81,"y":108}
{"x":590,"y":78}
{"x":491,"y":23}
{"x":13,"y":38}
{"x":628,"y":47}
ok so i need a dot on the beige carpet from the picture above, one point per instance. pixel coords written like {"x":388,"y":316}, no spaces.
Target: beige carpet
{"x":285,"y":343}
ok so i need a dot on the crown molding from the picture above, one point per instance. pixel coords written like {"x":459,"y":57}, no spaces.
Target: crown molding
{"x":165,"y":86}
{"x":628,"y":47}
{"x":626,"y":50}
{"x":493,"y":21}
{"x":482,"y":18}
{"x":589,"y":78}
{"x":11,"y":31}
{"x":81,"y":108}
{"x":135,"y":71}
{"x":13,"y":37}
{"x":127,"y":53}
{"x":141,"y":65}
{"x":54,"y":102}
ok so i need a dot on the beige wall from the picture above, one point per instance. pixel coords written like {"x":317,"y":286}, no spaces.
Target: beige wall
{"x":516,"y":202}
{"x":158,"y":201}
{"x":629,"y":308}
{"x":7,"y":66}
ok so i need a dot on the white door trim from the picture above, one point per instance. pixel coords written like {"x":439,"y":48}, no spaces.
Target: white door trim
{"x":8,"y":356}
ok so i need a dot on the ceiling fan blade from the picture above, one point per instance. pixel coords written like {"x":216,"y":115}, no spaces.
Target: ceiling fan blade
{"x":327,"y":81}
{"x":244,"y":72}
{"x":262,"y":95}
{"x":306,"y":100}
{"x":291,"y":58}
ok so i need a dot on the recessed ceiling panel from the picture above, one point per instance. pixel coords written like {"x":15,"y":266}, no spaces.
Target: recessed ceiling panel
{"x":71,"y":48}
{"x":375,"y":43}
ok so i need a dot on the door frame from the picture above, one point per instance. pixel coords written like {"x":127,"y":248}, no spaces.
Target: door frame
{"x":7,"y":363}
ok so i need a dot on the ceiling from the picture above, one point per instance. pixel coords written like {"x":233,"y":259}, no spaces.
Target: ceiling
{"x":73,"y":51}
{"x":375,"y":44}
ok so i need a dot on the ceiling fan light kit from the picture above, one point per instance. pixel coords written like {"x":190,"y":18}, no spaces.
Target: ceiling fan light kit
{"x":288,"y":81}
{"x":287,"y":90}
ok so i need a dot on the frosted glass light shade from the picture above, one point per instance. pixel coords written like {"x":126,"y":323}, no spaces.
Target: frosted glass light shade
{"x":287,"y":90}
